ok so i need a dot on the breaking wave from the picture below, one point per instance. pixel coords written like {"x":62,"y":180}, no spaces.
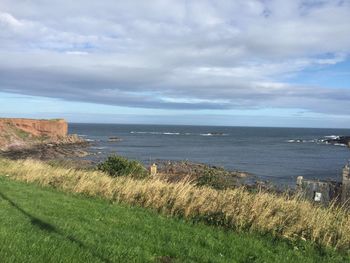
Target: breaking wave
{"x":336,"y":140}
{"x":155,"y":133}
{"x":213,"y":134}
{"x":179,"y":133}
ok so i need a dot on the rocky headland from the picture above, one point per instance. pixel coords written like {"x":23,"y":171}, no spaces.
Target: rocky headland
{"x":39,"y":139}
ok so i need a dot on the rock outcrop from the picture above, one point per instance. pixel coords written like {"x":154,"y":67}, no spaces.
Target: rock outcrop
{"x":18,"y":133}
{"x":39,"y":139}
{"x":344,"y":140}
{"x":49,"y":128}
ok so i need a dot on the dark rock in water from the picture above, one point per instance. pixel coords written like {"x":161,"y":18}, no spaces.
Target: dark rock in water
{"x":345,"y":140}
{"x":216,"y":133}
{"x":114,"y":139}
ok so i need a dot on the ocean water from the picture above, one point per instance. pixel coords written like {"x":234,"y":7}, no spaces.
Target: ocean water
{"x":278,"y":155}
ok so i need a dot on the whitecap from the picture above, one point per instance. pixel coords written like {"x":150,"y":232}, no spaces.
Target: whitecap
{"x":206,"y":134}
{"x":333,"y":137}
{"x":98,"y":148}
{"x":340,"y":144}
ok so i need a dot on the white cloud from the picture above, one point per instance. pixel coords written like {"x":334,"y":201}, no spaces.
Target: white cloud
{"x":78,"y":53}
{"x":174,"y":54}
{"x":7,"y":20}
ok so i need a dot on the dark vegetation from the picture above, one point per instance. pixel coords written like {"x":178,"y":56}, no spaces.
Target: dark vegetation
{"x":119,"y":166}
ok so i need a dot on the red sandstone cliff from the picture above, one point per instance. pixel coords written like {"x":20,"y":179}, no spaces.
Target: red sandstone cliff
{"x":22,"y":132}
{"x":49,"y":128}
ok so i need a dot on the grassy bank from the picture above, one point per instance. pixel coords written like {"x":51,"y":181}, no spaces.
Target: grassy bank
{"x":262,"y":213}
{"x":44,"y":225}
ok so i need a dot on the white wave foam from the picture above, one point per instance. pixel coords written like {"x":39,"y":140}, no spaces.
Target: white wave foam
{"x":213,"y":134}
{"x":330,"y":139}
{"x":340,"y":144}
{"x":301,"y":141}
{"x":333,"y":137}
{"x":206,"y":134}
{"x":143,"y":132}
{"x":155,"y":133}
{"x":178,"y":133}
{"x":98,"y":148}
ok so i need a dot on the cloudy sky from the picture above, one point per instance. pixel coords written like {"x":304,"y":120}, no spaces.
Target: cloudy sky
{"x":206,"y":62}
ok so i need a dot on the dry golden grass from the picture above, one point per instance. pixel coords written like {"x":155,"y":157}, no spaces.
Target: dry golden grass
{"x":261,"y":212}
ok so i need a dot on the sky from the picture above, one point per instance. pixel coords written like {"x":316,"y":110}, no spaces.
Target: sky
{"x":283,"y":63}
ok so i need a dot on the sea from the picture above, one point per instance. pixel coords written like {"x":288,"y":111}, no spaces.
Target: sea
{"x":276,"y":155}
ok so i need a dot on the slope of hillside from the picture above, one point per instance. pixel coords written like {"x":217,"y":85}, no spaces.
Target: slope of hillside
{"x":44,"y":225}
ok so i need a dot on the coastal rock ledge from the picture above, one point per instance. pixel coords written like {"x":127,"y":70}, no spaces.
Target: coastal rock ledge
{"x":21,"y":133}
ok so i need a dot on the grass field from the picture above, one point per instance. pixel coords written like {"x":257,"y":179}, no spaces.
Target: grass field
{"x":261,"y":212}
{"x":44,"y":225}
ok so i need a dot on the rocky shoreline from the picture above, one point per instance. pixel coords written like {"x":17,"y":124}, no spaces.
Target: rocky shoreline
{"x":73,"y":150}
{"x":209,"y":175}
{"x":70,"y":146}
{"x":48,"y":151}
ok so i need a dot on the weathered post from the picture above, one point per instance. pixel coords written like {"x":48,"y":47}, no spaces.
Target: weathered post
{"x":345,"y":193}
{"x":153,"y":169}
{"x":299,"y":182}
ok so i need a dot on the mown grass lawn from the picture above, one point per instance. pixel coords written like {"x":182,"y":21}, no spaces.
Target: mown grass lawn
{"x":44,"y":225}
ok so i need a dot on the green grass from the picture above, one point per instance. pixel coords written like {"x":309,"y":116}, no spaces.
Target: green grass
{"x":44,"y":225}
{"x":21,"y":134}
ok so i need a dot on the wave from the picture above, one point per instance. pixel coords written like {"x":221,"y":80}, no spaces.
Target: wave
{"x":332,"y":137}
{"x":340,"y":144}
{"x":98,"y":148}
{"x":213,"y":134}
{"x":301,"y":141}
{"x":155,"y":133}
{"x":179,"y":133}
{"x":295,"y":141}
{"x":336,"y":140}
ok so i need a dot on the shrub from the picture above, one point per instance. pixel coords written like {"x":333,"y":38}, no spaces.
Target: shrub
{"x":216,"y":178}
{"x":119,"y":166}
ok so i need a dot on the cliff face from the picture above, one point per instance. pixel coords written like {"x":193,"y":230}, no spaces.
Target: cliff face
{"x":49,"y":128}
{"x":22,"y":132}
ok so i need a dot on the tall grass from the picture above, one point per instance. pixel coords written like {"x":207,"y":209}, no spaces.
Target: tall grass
{"x":280,"y":216}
